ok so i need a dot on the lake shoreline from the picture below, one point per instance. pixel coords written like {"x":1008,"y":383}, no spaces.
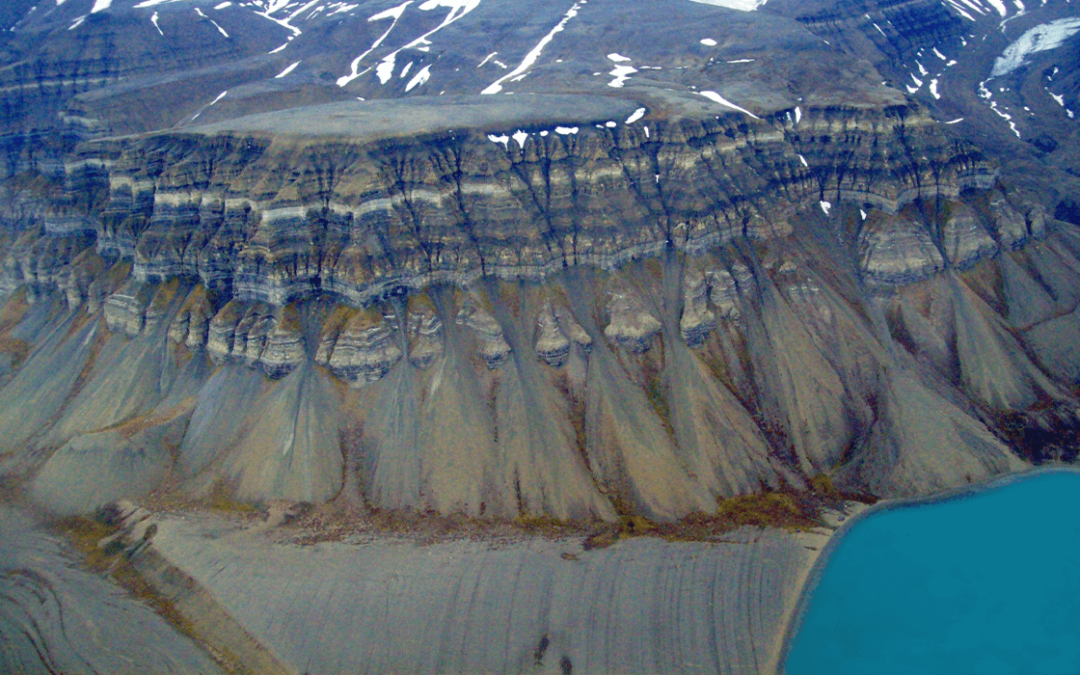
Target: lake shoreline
{"x":813,"y":578}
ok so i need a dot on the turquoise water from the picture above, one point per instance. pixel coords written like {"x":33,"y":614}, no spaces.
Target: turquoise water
{"x":985,"y":583}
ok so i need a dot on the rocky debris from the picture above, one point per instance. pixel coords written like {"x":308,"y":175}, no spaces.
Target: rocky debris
{"x":363,"y":349}
{"x":795,"y":349}
{"x":631,"y":326}
{"x":493,"y":346}
{"x":552,"y":345}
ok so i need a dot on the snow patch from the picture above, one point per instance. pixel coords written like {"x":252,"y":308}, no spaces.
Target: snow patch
{"x":955,"y":121}
{"x":286,"y":71}
{"x":385,"y":69}
{"x":220,"y":29}
{"x":341,"y":10}
{"x":933,"y":88}
{"x":420,"y":78}
{"x":530,"y":58}
{"x":1039,"y":39}
{"x":223,"y":5}
{"x":956,"y":6}
{"x":619,"y":58}
{"x":154,"y":20}
{"x":717,"y":98}
{"x":638,"y":114}
{"x":803,"y":160}
{"x":741,"y":5}
{"x":100,"y":6}
{"x":988,"y":95}
{"x":393,"y":12}
{"x":708,"y":42}
{"x":825,"y":206}
{"x":621,"y":75}
{"x":520,"y":136}
{"x":565,"y":131}
{"x":504,"y":139}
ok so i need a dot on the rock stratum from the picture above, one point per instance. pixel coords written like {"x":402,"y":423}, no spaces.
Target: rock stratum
{"x":611,"y":272}
{"x":482,"y":290}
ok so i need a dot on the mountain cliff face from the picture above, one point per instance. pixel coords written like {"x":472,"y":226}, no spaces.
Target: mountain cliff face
{"x":580,"y":301}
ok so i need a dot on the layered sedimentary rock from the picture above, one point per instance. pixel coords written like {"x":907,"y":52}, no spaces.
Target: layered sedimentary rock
{"x":358,"y":220}
{"x":402,"y":323}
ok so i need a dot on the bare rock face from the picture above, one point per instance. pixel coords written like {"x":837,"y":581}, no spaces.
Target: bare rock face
{"x":896,"y":250}
{"x":725,"y":289}
{"x":697,"y":319}
{"x":87,"y":267}
{"x":284,"y":347}
{"x":964,"y":237}
{"x":1011,"y":226}
{"x":192,"y":323}
{"x":424,"y":329}
{"x":362,"y":349}
{"x":125,"y":310}
{"x":552,"y":345}
{"x":573,"y":330}
{"x":493,"y":346}
{"x":630,"y":325}
{"x":256,"y":334}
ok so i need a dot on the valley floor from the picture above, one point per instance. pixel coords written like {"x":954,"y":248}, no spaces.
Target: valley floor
{"x":507,"y":602}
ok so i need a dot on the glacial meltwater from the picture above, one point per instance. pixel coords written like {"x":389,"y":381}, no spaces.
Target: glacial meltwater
{"x":987,"y":582}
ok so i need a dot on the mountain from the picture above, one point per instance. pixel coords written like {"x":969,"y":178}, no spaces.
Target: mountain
{"x":578,"y":260}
